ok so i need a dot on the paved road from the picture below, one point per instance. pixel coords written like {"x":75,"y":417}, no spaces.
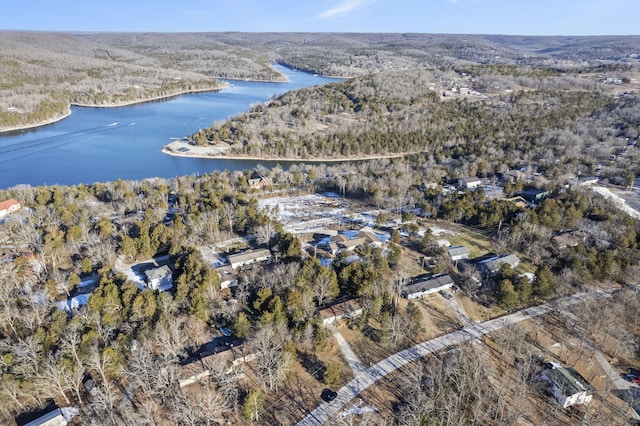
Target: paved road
{"x":368,"y":376}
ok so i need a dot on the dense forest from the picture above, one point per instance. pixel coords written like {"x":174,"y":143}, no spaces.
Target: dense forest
{"x":560,"y":124}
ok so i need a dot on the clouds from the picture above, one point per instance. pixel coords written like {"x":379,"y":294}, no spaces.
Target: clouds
{"x":343,"y":8}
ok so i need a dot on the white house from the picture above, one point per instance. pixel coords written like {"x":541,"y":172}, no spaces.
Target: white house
{"x":9,"y":206}
{"x":471,"y":182}
{"x":422,"y":286}
{"x":249,"y":257}
{"x":159,"y":278}
{"x":458,"y":252}
{"x":228,"y":277}
{"x":568,"y":386}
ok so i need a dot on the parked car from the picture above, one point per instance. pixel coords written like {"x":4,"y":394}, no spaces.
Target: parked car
{"x":328,"y":395}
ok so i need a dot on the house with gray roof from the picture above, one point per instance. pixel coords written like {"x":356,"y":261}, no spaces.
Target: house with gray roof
{"x":568,"y":386}
{"x":493,"y":264}
{"x":458,"y":252}
{"x":160,"y":279}
{"x":249,"y":257}
{"x":422,"y":286}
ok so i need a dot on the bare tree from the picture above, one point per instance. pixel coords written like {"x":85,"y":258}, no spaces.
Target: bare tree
{"x":272,"y":363}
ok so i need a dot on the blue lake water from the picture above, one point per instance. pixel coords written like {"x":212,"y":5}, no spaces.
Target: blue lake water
{"x":89,"y":146}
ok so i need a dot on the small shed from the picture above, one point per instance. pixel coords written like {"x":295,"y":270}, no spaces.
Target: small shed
{"x":228,"y":277}
{"x":458,"y":252}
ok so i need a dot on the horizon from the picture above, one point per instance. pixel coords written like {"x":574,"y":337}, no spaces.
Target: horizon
{"x":563,"y":18}
{"x":80,"y":32}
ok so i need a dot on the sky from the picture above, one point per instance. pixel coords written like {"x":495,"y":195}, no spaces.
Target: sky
{"x":517,"y":17}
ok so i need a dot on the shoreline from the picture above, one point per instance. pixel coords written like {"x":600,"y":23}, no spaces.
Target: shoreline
{"x":124,"y":104}
{"x":220,"y":153}
{"x":153,"y":99}
{"x":66,"y":114}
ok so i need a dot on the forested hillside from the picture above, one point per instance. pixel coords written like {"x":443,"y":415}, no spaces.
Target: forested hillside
{"x":487,"y":118}
{"x":42,"y":73}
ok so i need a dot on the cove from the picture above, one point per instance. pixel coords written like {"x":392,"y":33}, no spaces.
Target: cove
{"x":104,"y":144}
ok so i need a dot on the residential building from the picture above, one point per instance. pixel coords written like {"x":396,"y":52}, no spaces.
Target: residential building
{"x":534,"y":195}
{"x":9,"y":206}
{"x":228,"y":277}
{"x":568,"y":386}
{"x":199,"y":367}
{"x":493,"y":264}
{"x":249,"y":257}
{"x":260,"y":182}
{"x":513,"y":176}
{"x":342,"y":242}
{"x":351,"y":244}
{"x":458,"y":253}
{"x":422,"y":286}
{"x":471,"y":182}
{"x":52,"y":418}
{"x":160,"y":279}
{"x":370,"y":238}
{"x":349,"y":308}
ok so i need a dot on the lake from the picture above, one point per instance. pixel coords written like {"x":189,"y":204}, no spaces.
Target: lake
{"x":104,"y":144}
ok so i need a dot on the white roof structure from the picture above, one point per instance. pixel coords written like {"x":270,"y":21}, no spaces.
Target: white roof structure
{"x":248,"y":257}
{"x":421,"y":286}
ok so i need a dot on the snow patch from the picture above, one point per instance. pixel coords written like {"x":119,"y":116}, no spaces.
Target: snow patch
{"x":69,"y":413}
{"x":618,"y":201}
{"x":357,"y":410}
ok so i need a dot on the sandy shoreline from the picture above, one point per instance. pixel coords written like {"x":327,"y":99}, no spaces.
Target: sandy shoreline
{"x":184,"y":149}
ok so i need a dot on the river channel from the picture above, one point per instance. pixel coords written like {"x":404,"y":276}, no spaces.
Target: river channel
{"x":104,"y":144}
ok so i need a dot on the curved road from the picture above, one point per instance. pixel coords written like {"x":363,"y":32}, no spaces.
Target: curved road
{"x":368,"y":376}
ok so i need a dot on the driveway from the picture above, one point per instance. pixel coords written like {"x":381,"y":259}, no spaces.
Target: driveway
{"x":368,"y":376}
